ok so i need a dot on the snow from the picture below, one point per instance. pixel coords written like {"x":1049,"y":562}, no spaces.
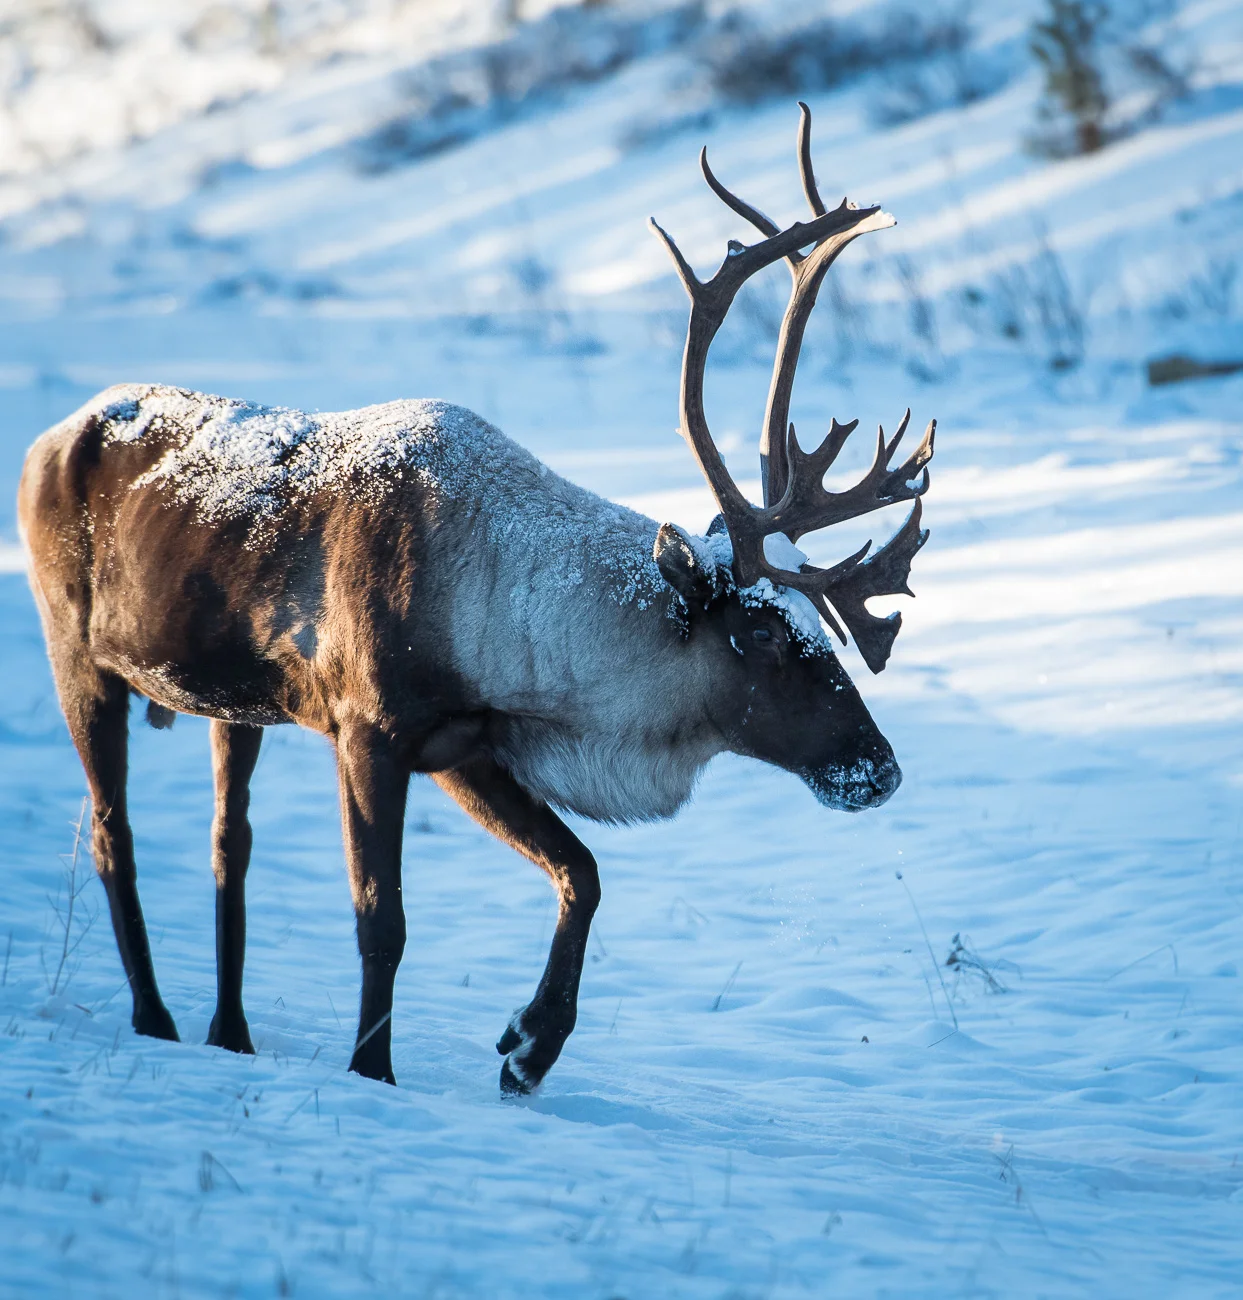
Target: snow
{"x":800,"y":614}
{"x":781,"y":551}
{"x":776,"y":1086}
{"x":234,"y":459}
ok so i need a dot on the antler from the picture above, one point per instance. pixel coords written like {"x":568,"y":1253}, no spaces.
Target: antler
{"x":795,"y":498}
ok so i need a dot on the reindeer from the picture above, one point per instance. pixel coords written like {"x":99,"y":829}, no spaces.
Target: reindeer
{"x":409,"y":583}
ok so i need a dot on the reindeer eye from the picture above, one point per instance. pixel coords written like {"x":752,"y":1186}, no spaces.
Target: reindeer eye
{"x":761,"y":634}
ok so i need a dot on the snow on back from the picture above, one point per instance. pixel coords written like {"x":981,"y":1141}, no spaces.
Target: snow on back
{"x":235,"y":460}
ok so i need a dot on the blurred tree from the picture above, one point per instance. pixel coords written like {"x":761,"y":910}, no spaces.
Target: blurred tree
{"x":1066,"y":45}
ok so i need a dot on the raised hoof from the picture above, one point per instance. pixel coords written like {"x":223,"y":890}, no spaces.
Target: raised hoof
{"x":233,"y":1037}
{"x":155,"y":1022}
{"x":510,"y":1039}
{"x":511,"y":1084}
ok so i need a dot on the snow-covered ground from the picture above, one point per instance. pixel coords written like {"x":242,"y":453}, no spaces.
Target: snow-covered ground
{"x":777,"y":1087}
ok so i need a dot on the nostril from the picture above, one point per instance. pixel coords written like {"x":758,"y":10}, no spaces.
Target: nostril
{"x":866,"y":783}
{"x":878,"y":786}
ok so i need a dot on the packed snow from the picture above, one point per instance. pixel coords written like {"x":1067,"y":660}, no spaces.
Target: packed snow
{"x":984,"y":1040}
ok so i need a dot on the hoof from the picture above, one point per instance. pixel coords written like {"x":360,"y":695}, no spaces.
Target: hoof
{"x":155,"y":1022}
{"x":381,"y":1071}
{"x":530,"y":1047}
{"x":232,"y":1036}
{"x":511,"y":1084}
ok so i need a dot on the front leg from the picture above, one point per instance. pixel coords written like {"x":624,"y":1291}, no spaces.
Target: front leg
{"x":373,"y":805}
{"x":536,"y":1034}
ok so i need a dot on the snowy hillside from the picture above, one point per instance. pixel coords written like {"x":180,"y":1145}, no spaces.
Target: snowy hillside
{"x":985,"y":1040}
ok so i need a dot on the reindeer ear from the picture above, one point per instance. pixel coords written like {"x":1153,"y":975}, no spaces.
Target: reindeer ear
{"x":689,"y":569}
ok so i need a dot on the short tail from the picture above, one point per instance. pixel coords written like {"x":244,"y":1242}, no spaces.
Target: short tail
{"x":159,"y":717}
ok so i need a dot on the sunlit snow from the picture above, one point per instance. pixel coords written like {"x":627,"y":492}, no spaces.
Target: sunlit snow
{"x":777,"y":1086}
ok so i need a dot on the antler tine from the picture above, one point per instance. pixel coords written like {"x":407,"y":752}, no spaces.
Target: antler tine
{"x":710,"y":301}
{"x":807,"y":273}
{"x":897,"y":437}
{"x":690,"y":280}
{"x":885,"y":573}
{"x":815,"y":464}
{"x":744,"y":260}
{"x":814,"y":583}
{"x":919,"y":458}
{"x":762,"y":223}
{"x":852,"y":582}
{"x":807,"y":506}
{"x":804,"y":161}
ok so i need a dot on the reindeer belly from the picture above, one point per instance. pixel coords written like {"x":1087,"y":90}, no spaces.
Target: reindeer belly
{"x":194,"y":689}
{"x":189,"y":627}
{"x":192,"y":665}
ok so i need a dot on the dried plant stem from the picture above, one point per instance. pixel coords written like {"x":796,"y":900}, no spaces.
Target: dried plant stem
{"x":67,"y":920}
{"x":928,"y":942}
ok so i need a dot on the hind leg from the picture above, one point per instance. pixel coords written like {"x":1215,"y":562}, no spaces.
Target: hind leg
{"x":234,"y":753}
{"x":373,"y":783}
{"x":96,"y":706}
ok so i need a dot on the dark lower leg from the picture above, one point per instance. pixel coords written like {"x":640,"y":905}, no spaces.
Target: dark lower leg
{"x":373,"y":803}
{"x":536,"y":1034}
{"x":235,"y":751}
{"x":381,"y":941}
{"x":97,"y":709}
{"x":113,"y":846}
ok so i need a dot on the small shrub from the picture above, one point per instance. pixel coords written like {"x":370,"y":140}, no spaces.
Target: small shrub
{"x":963,"y":960}
{"x":452,"y":99}
{"x":747,"y":64}
{"x":1032,"y":303}
{"x":1061,"y":320}
{"x":1177,"y":367}
{"x":950,"y":79}
{"x":925,"y":361}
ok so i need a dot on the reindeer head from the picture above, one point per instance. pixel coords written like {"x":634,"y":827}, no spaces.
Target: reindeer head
{"x":784,"y":696}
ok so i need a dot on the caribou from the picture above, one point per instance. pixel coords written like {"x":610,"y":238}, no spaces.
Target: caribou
{"x":414,"y":586}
